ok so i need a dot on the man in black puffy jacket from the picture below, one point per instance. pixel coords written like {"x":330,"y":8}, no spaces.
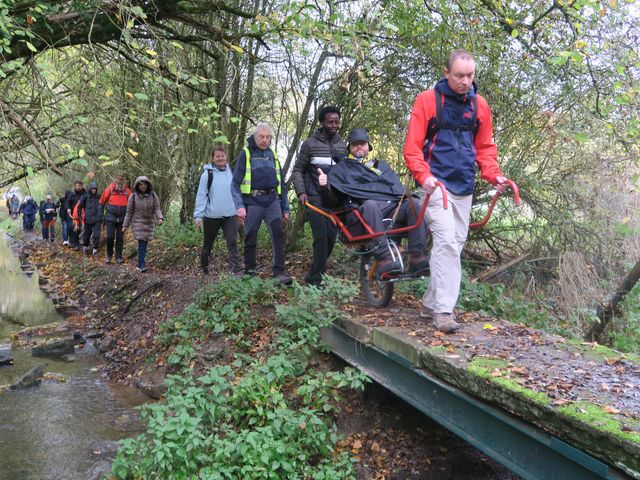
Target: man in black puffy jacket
{"x":89,"y":213}
{"x":320,"y":151}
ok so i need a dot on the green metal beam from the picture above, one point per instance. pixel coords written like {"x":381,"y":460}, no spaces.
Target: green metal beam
{"x":523,"y":448}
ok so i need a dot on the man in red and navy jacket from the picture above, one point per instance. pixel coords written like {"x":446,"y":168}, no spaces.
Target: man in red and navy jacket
{"x":115,"y":198}
{"x":445,"y":144}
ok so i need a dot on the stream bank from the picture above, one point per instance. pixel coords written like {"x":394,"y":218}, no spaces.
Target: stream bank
{"x":67,"y":423}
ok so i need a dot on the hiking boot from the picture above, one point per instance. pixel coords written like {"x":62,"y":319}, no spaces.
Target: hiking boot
{"x":65,"y":243}
{"x":94,"y":251}
{"x":141,"y":269}
{"x":445,"y":322}
{"x":119,"y":260}
{"x":388,"y":267}
{"x":426,"y":313}
{"x":85,"y":250}
{"x":418,"y":265}
{"x":249,"y":273}
{"x":205,"y":270}
{"x":283,"y":279}
{"x":109,"y":259}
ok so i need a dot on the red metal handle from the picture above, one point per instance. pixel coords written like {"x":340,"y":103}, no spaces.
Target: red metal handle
{"x":516,"y":199}
{"x":445,"y":202}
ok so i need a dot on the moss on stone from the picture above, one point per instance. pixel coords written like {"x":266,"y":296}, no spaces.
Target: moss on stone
{"x":484,"y":367}
{"x":595,"y":416}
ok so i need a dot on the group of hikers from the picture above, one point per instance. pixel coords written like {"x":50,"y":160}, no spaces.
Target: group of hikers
{"x":83,"y":213}
{"x":450,"y":135}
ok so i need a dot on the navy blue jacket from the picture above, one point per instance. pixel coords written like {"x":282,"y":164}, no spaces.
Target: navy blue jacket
{"x":263,"y":176}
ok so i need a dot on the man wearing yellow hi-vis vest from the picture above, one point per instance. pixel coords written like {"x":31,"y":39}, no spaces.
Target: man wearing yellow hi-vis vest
{"x":260,"y":181}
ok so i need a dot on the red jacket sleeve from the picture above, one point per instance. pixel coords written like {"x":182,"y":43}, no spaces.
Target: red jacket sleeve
{"x":424,"y":108}
{"x":105,"y":195}
{"x":486,"y":149}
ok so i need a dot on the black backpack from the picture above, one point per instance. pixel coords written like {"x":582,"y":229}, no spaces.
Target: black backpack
{"x":436,"y":124}
{"x":209,"y":182}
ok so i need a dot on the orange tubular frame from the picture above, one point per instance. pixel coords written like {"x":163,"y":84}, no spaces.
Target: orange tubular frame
{"x":516,"y":199}
{"x":335,"y":218}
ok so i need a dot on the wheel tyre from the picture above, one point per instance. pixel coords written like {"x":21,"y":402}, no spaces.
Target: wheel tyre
{"x":377,"y":293}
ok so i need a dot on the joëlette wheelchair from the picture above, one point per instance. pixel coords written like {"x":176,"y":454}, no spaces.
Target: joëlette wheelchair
{"x":378,"y":289}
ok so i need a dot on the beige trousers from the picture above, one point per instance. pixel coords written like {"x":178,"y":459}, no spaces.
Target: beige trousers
{"x":449,"y":232}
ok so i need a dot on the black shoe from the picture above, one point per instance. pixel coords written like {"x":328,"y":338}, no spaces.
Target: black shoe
{"x":109,"y":259}
{"x":418,"y":265}
{"x":283,"y":279}
{"x":119,"y":260}
{"x":388,"y":267}
{"x":205,"y":270}
{"x":249,"y":273}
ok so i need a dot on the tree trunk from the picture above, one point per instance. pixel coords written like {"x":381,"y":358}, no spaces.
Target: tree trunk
{"x":607,"y":311}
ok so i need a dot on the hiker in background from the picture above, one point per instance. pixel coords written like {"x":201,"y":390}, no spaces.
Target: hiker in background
{"x":41,"y":217}
{"x":13,"y":205}
{"x":49,"y":211}
{"x":143,"y":212}
{"x":89,"y":214}
{"x":216,"y":207}
{"x":114,"y":199}
{"x":72,"y":197}
{"x":28,"y":209}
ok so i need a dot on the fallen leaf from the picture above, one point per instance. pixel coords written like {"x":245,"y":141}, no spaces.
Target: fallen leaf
{"x":610,"y":409}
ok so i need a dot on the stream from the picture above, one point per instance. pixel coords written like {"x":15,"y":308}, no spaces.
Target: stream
{"x":66,"y":428}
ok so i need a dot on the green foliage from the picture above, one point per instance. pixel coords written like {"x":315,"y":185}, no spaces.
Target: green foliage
{"x":222,"y":307}
{"x":265,"y":418}
{"x":626,"y":333}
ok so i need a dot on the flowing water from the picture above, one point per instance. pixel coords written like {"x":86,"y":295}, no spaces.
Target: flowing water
{"x":54,"y":431}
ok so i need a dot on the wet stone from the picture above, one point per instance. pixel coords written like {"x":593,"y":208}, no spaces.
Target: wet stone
{"x":57,"y":348}
{"x":153,"y":390}
{"x":105,"y":344}
{"x":104,"y":450}
{"x":100,"y":470}
{"x":5,"y":354}
{"x":32,"y":378}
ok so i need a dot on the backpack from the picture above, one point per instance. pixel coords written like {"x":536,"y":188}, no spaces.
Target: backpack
{"x":436,"y":124}
{"x":209,"y":182}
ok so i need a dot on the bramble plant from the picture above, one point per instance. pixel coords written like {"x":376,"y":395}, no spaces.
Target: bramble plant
{"x":257,"y":418}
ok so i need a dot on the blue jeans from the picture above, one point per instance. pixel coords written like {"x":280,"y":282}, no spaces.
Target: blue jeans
{"x":142,"y":252}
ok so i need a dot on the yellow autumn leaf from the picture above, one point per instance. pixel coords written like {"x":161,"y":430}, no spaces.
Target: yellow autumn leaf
{"x":129,"y":94}
{"x":150,"y":52}
{"x":108,"y":93}
{"x":581,"y":44}
{"x":488,"y":326}
{"x":237,"y":48}
{"x":132,"y":152}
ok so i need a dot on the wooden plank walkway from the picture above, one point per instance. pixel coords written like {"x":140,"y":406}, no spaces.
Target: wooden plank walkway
{"x":584,"y":394}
